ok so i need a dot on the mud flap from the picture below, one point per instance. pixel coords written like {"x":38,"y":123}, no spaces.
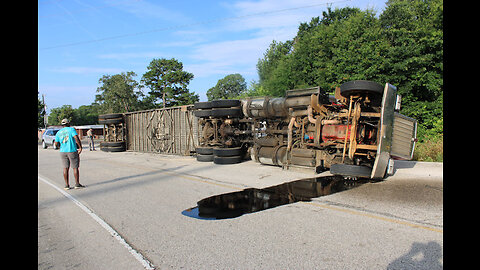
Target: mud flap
{"x":351,"y":170}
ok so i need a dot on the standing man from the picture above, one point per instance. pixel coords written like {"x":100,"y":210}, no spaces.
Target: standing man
{"x":67,"y":139}
{"x":91,"y":143}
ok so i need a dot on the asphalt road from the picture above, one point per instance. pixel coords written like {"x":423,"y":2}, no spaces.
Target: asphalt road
{"x":129,"y":216}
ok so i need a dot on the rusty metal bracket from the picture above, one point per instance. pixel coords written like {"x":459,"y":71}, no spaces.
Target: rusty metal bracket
{"x":353,"y":131}
{"x":346,"y":131}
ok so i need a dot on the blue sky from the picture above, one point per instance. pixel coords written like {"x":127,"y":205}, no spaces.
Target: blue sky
{"x":79,"y":41}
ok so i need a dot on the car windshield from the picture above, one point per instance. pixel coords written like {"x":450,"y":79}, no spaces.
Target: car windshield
{"x":51,"y":132}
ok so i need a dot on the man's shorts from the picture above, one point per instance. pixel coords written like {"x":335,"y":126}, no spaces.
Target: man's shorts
{"x":70,"y":159}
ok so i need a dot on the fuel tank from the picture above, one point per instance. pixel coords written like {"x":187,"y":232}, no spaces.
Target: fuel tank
{"x":335,"y":132}
{"x":267,"y":107}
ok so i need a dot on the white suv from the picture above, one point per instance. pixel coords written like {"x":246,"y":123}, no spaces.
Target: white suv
{"x":48,"y":138}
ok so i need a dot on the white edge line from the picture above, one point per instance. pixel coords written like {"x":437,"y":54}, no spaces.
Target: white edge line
{"x":139,"y":257}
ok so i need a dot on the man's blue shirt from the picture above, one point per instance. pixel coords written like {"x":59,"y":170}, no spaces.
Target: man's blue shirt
{"x":65,"y":137}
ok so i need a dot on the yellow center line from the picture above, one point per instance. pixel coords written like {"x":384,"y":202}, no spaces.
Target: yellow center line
{"x":358,"y":213}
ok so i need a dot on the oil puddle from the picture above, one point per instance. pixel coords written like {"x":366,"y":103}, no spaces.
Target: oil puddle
{"x":235,"y":204}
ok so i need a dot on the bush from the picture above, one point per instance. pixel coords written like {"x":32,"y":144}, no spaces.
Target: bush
{"x":430,"y":149}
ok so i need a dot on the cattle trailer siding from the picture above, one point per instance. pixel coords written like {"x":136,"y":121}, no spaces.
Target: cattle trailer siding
{"x":173,"y":130}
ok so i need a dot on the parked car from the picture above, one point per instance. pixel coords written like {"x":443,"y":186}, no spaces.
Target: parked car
{"x":48,"y":137}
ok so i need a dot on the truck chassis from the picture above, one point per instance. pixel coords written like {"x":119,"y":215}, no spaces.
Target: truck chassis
{"x":356,"y":132}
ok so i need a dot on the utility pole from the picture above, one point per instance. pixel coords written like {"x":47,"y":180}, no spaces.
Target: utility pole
{"x":45,"y":117}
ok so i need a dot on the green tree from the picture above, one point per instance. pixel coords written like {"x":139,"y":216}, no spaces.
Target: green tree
{"x":272,"y":68}
{"x":415,"y":60}
{"x":57,"y":114}
{"x":358,"y":49}
{"x":402,"y":46}
{"x":87,"y":114}
{"x":344,"y":45}
{"x":414,"y":30}
{"x":330,"y":16}
{"x":271,"y":58}
{"x":118,"y":93}
{"x":41,"y":113}
{"x":168,"y":82}
{"x":230,"y":86}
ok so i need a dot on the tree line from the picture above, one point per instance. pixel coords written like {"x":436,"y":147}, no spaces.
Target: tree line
{"x":403,"y":46}
{"x":165,"y":79}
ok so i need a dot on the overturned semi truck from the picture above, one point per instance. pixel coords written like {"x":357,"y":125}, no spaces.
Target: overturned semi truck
{"x":356,"y":132}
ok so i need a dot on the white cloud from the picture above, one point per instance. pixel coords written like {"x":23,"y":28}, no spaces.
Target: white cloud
{"x":280,"y":22}
{"x":234,"y":51}
{"x":226,"y":57}
{"x":249,"y":7}
{"x":157,"y":50}
{"x":86,"y":70}
{"x":58,"y":95}
{"x":143,"y":9}
{"x":207,"y":69}
{"x":253,"y":36}
{"x":276,"y":13}
{"x":130,"y":55}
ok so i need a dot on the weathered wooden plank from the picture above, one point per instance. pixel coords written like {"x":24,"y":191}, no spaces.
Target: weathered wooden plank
{"x":177,"y":129}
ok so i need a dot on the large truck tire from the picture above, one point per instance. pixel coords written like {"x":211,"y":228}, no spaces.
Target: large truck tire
{"x":226,"y":103}
{"x":227,"y":160}
{"x":203,"y":113}
{"x":351,"y":170}
{"x":204,"y":158}
{"x":202,"y":105}
{"x":110,"y":121}
{"x":360,"y":86}
{"x":227,"y":152}
{"x":227,"y":112}
{"x":113,"y":146}
{"x":204,"y":150}
{"x":110,"y":116}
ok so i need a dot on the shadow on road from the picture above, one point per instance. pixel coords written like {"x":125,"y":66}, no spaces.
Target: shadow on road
{"x":132,"y":176}
{"x":421,"y":256}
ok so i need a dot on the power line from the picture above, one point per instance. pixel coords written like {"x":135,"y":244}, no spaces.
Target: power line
{"x":186,"y":25}
{"x":85,"y":9}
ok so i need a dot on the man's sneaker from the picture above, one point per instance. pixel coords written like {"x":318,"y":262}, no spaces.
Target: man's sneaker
{"x":79,"y":186}
{"x":67,"y":187}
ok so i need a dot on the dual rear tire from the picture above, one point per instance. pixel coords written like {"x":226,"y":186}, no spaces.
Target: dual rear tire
{"x":220,"y":155}
{"x":112,"y":118}
{"x":218,"y":108}
{"x":112,"y":146}
{"x":112,"y":121}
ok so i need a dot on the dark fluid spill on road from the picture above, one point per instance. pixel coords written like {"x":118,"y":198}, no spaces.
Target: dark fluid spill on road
{"x":235,"y":204}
